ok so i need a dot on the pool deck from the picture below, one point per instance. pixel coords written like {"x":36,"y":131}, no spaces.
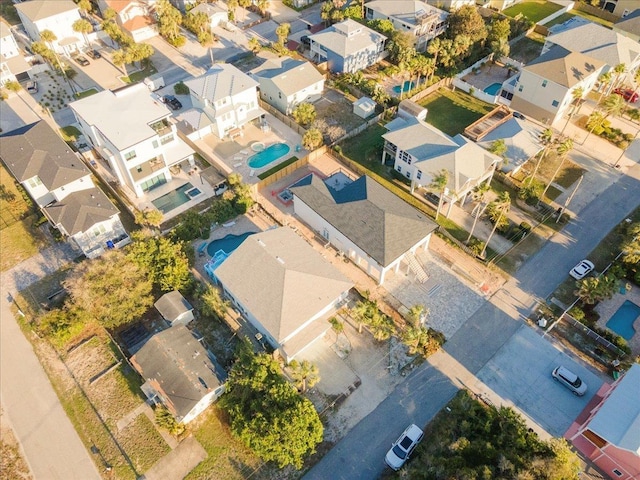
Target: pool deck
{"x":488,"y":75}
{"x":607,"y":308}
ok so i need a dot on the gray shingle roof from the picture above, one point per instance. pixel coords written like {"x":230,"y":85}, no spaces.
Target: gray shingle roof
{"x":171,"y":305}
{"x":222,"y":80}
{"x":80,"y":211}
{"x":37,"y":150}
{"x":630,"y":23}
{"x":563,"y":66}
{"x":347,"y":38}
{"x":288,"y":74}
{"x":521,"y":138}
{"x":176,"y":362}
{"x":36,"y":10}
{"x":372,"y":217}
{"x":281,"y":280}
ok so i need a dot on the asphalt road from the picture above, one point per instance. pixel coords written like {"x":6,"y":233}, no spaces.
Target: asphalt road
{"x":360,"y":454}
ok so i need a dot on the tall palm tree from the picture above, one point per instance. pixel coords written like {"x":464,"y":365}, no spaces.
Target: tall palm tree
{"x":619,"y":70}
{"x":614,"y":105}
{"x":562,"y":150}
{"x":498,"y":211}
{"x":417,"y":313}
{"x":434,"y":48}
{"x":439,"y":183}
{"x":304,"y":373}
{"x":479,"y":195}
{"x":605,"y":80}
{"x":83,"y":26}
{"x":499,"y":148}
{"x":547,"y":139}
{"x":577,"y":94}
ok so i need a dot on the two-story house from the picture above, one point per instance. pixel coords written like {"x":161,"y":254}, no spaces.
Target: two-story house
{"x":286,"y":82}
{"x":347,"y":46}
{"x":228,"y":98}
{"x":544,"y":89}
{"x":57,"y":17}
{"x":423,"y":21}
{"x":133,"y":16}
{"x":217,"y":13}
{"x":13,"y":66}
{"x":60,"y":184}
{"x":421,"y":151}
{"x":134,"y":133}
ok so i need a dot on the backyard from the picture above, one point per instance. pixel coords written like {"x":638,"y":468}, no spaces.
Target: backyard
{"x":528,"y":48}
{"x":453,"y":111}
{"x":534,"y":10}
{"x":575,"y":13}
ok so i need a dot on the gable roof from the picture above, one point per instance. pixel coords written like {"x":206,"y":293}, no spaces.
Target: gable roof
{"x":521,"y":138}
{"x":211,"y":9}
{"x":79,"y":211}
{"x":37,"y":150}
{"x":281,"y":280}
{"x":630,"y":23}
{"x":597,"y":42}
{"x":221,"y":81}
{"x":618,"y":419}
{"x":288,"y":75}
{"x":171,"y":305}
{"x":36,"y":10}
{"x":372,"y":217}
{"x":407,"y":11}
{"x":118,"y":5}
{"x":347,"y":37}
{"x":5,"y":30}
{"x":178,"y":364}
{"x":563,"y":66}
{"x":137,"y":23}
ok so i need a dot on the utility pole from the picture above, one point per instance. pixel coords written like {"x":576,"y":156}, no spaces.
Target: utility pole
{"x":566,"y":204}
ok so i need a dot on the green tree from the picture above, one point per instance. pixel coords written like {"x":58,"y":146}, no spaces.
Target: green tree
{"x":112,"y":289}
{"x":418,"y":314}
{"x":305,"y":374}
{"x":498,"y":147}
{"x":13,"y":86}
{"x":165,"y":420}
{"x":85,"y":7}
{"x":267,"y":413}
{"x":467,"y":21}
{"x":382,"y":26}
{"x":604,"y":80}
{"x":613,"y":105}
{"x":479,"y":196}
{"x":497,"y":211}
{"x":577,"y":94}
{"x":618,"y":71}
{"x":499,"y":31}
{"x":282,"y":31}
{"x":169,"y":21}
{"x":401,"y":48}
{"x":631,"y":245}
{"x":592,"y":290}
{"x":562,"y":150}
{"x":254,"y":45}
{"x":304,"y":114}
{"x":149,"y":217}
{"x":213,"y":305}
{"x":439,"y":183}
{"x":433,"y":48}
{"x":83,"y":26}
{"x":312,"y":139}
{"x":120,"y":58}
{"x":232,"y":5}
{"x":596,"y":123}
{"x":422,"y":341}
{"x":140,"y":52}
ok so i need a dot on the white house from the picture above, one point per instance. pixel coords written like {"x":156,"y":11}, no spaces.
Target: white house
{"x":133,"y":16}
{"x":423,"y":21}
{"x":134,"y":133}
{"x":58,"y":17}
{"x":179,"y":372}
{"x":366,"y":222}
{"x":544,"y":89}
{"x":217,"y":13}
{"x":174,"y":308}
{"x":284,"y":288}
{"x":450,"y":4}
{"x":286,"y":82}
{"x":347,"y":46}
{"x":13,"y":66}
{"x":227,"y":97}
{"x":60,"y":184}
{"x":421,"y":151}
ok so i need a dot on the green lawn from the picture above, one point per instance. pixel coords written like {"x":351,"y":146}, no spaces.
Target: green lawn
{"x":527,"y":48}
{"x":533,"y":10}
{"x":452,"y":112}
{"x":86,"y":93}
{"x":139,"y":75}
{"x":70,"y":133}
{"x":575,"y":13}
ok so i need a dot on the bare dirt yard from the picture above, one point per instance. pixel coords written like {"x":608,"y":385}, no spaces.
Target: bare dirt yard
{"x":12,"y":464}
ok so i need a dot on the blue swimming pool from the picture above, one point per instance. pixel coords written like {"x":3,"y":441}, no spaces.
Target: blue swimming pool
{"x":174,"y":199}
{"x":405,"y":87}
{"x":268,"y":155}
{"x":227,"y":244}
{"x":493,"y":89}
{"x":622,"y":321}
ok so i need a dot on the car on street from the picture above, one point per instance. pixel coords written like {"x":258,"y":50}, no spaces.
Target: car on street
{"x":95,"y":54}
{"x":628,"y":94}
{"x":80,"y":60}
{"x":172,"y":102}
{"x":570,"y":380}
{"x":581,"y":270}
{"x":32,"y":86}
{"x":402,"y":448}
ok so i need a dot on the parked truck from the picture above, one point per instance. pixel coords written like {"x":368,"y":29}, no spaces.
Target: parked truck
{"x":155,"y":82}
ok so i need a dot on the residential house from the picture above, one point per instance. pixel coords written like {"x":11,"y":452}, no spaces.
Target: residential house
{"x":449,"y":5}
{"x":621,"y":8}
{"x":284,"y":288}
{"x":134,"y":133}
{"x":498,"y":5}
{"x":60,"y":184}
{"x":133,"y":16}
{"x":607,"y":431}
{"x":174,"y":308}
{"x":286,"y":82}
{"x":347,"y":46}
{"x":598,"y":42}
{"x":217,"y":13}
{"x":227,"y":97}
{"x":370,"y":225}
{"x":13,"y":66}
{"x":423,"y":21}
{"x":58,"y":17}
{"x":629,"y":26}
{"x":179,"y":373}
{"x":544,"y":90}
{"x":420,"y":152}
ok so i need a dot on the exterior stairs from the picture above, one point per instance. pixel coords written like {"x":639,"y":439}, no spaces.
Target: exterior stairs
{"x":416,"y":267}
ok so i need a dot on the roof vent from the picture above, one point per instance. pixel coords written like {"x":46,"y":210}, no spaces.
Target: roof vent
{"x":261,"y":243}
{"x":280,"y":260}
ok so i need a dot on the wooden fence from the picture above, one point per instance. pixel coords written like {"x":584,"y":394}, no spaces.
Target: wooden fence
{"x":289,"y":169}
{"x":289,"y":122}
{"x":596,"y":12}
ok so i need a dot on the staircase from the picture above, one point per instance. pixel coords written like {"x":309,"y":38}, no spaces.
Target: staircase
{"x":416,"y":267}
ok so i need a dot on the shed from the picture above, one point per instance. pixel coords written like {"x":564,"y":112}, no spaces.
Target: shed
{"x":174,"y":308}
{"x":364,"y":107}
{"x":409,"y":109}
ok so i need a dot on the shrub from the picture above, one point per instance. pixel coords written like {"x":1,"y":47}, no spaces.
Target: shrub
{"x":178,"y":41}
{"x":617,"y":340}
{"x":181,"y":89}
{"x":577,"y":313}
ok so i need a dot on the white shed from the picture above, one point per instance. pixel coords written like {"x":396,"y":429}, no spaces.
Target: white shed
{"x":174,"y":308}
{"x":364,"y":107}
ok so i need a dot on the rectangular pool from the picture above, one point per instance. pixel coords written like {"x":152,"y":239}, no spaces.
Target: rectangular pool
{"x":174,"y":199}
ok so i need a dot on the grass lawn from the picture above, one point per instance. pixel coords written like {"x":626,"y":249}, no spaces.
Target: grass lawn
{"x":533,"y":10}
{"x":452,"y":112}
{"x":575,"y":13}
{"x":527,"y":48}
{"x":70,"y":133}
{"x":143,"y":443}
{"x":86,"y":93}
{"x":139,"y":75}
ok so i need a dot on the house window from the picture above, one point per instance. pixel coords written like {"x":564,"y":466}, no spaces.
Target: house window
{"x":554,"y":103}
{"x":544,"y":83}
{"x":34,"y":182}
{"x":130,"y":155}
{"x":139,"y":168}
{"x":280,"y":95}
{"x":98,"y":230}
{"x":155,"y":144}
{"x":597,"y":440}
{"x":408,"y":174}
{"x":520,"y":88}
{"x":419,"y":174}
{"x":617,"y":472}
{"x":405,"y":157}
{"x":399,"y":168}
{"x":167,"y":139}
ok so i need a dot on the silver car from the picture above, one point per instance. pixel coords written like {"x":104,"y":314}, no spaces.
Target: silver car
{"x":570,"y":380}
{"x":402,"y":448}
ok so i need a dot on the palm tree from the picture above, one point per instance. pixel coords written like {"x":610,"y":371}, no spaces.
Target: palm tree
{"x":498,"y":210}
{"x":499,"y":148}
{"x":417,"y":314}
{"x":619,"y":70}
{"x":304,"y":373}
{"x":577,"y":94}
{"x":605,"y":80}
{"x":439,"y":183}
{"x":546,"y":138}
{"x":479,"y":195}
{"x":614,"y":105}
{"x":85,"y":7}
{"x":562,"y":150}
{"x":120,"y":58}
{"x":83,"y":26}
{"x":282,"y":32}
{"x":434,"y":48}
{"x":596,"y":121}
{"x":594,"y":289}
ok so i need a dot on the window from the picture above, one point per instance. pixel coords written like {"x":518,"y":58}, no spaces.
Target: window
{"x":520,"y":88}
{"x":34,"y":182}
{"x":155,"y":144}
{"x":399,"y":168}
{"x":617,"y":472}
{"x":408,"y":174}
{"x":554,"y":103}
{"x":98,"y":230}
{"x":130,"y":155}
{"x":167,"y":139}
{"x":544,"y":83}
{"x":597,"y":440}
{"x":419,"y":174}
{"x":405,"y":157}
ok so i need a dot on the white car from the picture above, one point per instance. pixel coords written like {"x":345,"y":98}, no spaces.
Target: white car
{"x":581,"y":270}
{"x":570,"y":380}
{"x":402,"y":448}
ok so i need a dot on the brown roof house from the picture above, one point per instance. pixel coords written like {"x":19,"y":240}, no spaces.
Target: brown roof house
{"x":286,"y":289}
{"x":179,"y":372}
{"x":174,"y":308}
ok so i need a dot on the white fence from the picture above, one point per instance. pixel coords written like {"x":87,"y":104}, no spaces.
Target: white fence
{"x":555,"y":15}
{"x":476,"y":92}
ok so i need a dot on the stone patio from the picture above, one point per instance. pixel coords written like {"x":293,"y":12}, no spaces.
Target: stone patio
{"x":488,"y":75}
